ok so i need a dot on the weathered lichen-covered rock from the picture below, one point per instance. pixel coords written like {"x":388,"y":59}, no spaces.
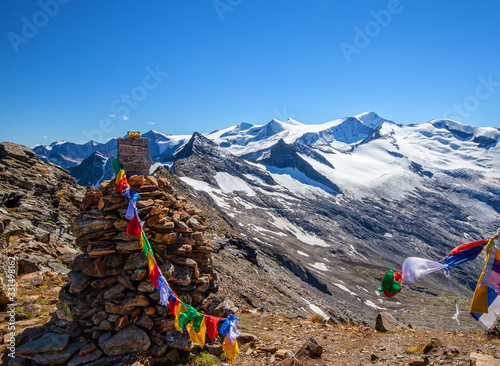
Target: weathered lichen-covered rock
{"x":109,"y":297}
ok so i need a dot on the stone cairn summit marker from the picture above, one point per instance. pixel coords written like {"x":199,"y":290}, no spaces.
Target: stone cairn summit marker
{"x":109,"y":309}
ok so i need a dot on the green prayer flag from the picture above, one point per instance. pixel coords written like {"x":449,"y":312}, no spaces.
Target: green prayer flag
{"x":389,"y":284}
{"x":197,"y":323}
{"x":115,"y":163}
{"x":191,"y":314}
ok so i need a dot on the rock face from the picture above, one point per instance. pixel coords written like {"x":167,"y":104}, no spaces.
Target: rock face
{"x":283,"y":156}
{"x":92,"y":169}
{"x":108,"y":306}
{"x":38,"y":202}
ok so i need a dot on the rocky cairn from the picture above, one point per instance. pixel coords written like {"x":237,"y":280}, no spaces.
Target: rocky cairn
{"x":109,"y":309}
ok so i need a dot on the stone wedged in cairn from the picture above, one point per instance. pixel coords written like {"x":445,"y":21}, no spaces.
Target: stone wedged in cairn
{"x":109,"y":308}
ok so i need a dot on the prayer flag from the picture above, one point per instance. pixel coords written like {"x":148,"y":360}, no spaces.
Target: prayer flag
{"x":414,"y":268}
{"x":198,"y":336}
{"x":211,"y":324}
{"x":164,"y":291}
{"x":491,"y":277}
{"x":489,"y":300}
{"x":392,"y":283}
{"x":464,"y":253}
{"x":134,"y":227}
{"x":189,"y":315}
{"x":231,"y":348}
{"x":179,"y":309}
{"x":115,"y":164}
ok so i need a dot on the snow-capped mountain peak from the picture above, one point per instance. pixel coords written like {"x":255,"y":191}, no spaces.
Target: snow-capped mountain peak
{"x":371,"y":119}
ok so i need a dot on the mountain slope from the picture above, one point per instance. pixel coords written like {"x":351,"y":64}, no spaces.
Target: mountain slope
{"x":339,"y":243}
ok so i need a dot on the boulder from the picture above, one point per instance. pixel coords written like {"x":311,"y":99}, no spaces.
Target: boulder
{"x":50,"y":342}
{"x":97,"y":268}
{"x":114,"y":291}
{"x":85,"y":358}
{"x":145,"y":322}
{"x":78,"y":281}
{"x":15,"y":151}
{"x":310,"y":349}
{"x":128,"y":340}
{"x":214,"y":348}
{"x":478,"y":359}
{"x":283,"y":353}
{"x":32,"y":310}
{"x":139,"y":275}
{"x":30,"y":280}
{"x":128,"y":246}
{"x":173,"y":355}
{"x":117,"y":309}
{"x":385,"y":322}
{"x":58,"y":358}
{"x":135,"y":299}
{"x":210,"y":303}
{"x":145,"y":286}
{"x":225,"y":308}
{"x":246,"y":338}
{"x":136,"y":261}
{"x":179,"y":340}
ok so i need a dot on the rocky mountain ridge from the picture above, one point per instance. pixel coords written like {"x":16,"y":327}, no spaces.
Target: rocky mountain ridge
{"x":38,"y":202}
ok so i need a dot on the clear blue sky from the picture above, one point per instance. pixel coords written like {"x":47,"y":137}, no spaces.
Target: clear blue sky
{"x":66,"y":65}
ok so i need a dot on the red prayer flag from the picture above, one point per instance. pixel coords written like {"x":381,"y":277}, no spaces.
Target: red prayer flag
{"x":155,"y":274}
{"x":122,"y":184}
{"x":463,"y":247}
{"x":211,"y":323}
{"x":134,"y":227}
{"x":172,"y":304}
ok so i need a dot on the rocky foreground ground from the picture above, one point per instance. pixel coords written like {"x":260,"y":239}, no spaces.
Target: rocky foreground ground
{"x":274,"y":339}
{"x":280,"y":339}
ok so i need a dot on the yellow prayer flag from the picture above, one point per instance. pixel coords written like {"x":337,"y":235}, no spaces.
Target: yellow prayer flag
{"x":231,"y":349}
{"x":479,"y":303}
{"x":143,"y":244}
{"x":178,"y":311}
{"x":199,"y":337}
{"x":121,"y":174}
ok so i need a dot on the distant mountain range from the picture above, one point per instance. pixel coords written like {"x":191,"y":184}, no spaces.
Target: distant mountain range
{"x":358,"y":155}
{"x":325,"y":199}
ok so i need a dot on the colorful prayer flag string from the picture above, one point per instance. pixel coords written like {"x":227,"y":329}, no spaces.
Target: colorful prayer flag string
{"x":197,"y":325}
{"x":485,"y":305}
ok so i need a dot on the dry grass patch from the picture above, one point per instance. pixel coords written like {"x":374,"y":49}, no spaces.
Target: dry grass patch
{"x":316,"y":319}
{"x":416,"y":350}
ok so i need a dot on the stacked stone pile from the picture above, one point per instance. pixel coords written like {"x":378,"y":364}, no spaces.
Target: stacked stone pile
{"x":109,"y":307}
